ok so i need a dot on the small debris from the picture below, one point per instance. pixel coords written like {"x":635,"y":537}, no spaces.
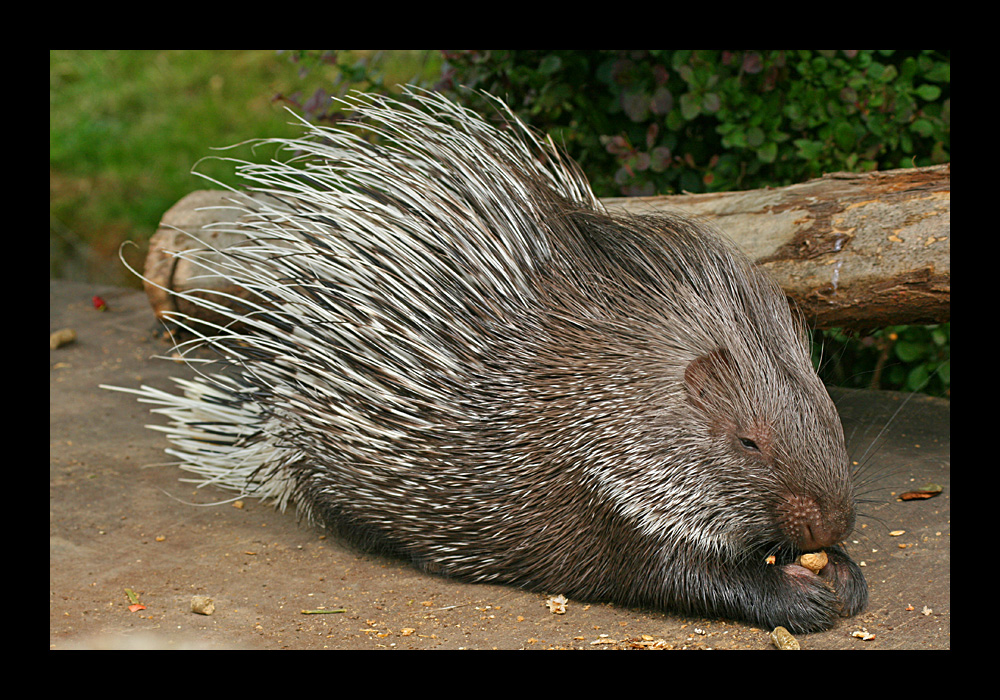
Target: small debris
{"x":928,"y":491}
{"x":784,"y":640}
{"x":604,"y":639}
{"x":644,"y":641}
{"x":202,"y":604}
{"x":63,"y":336}
{"x":133,"y":599}
{"x":557,"y":604}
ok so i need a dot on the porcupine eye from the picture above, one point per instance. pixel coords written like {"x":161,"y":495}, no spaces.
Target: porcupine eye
{"x":749,"y":444}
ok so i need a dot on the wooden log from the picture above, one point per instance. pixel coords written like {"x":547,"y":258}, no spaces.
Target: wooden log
{"x":853,"y":250}
{"x":187,"y":226}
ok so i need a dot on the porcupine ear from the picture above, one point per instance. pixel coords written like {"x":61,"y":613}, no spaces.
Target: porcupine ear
{"x":704,"y":378}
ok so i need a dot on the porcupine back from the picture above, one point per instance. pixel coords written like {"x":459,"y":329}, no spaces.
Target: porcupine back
{"x":455,"y":355}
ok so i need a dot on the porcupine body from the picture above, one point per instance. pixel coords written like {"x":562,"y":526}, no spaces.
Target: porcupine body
{"x":453,"y":354}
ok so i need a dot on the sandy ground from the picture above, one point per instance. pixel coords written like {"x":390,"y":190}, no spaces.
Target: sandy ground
{"x":117,"y":523}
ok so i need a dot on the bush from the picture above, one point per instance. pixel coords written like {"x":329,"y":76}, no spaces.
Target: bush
{"x":660,"y":122}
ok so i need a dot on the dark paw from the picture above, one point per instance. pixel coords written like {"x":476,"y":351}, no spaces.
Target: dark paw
{"x":812,"y":602}
{"x":805,"y":602}
{"x":772,"y":595}
{"x":847,"y":581}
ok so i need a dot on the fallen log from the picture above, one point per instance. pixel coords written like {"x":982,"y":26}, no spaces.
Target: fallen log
{"x":852,"y":250}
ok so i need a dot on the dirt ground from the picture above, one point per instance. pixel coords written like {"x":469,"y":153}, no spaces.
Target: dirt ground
{"x":116,"y":523}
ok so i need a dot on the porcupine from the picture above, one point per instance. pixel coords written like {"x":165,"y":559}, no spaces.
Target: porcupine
{"x":452,"y":353}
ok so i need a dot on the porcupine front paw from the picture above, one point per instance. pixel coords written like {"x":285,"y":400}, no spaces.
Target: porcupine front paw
{"x":810,"y":602}
{"x":847,"y":580}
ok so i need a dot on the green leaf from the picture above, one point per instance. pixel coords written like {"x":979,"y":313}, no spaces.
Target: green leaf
{"x":550,"y":64}
{"x":808,"y":149}
{"x":907,"y":351}
{"x":843,"y":136}
{"x":690,"y":106}
{"x":917,"y":378}
{"x":922,"y":127}
{"x":768,"y":152}
{"x":929,"y":92}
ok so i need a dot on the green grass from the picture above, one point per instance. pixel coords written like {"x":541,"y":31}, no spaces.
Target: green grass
{"x":126,"y":127}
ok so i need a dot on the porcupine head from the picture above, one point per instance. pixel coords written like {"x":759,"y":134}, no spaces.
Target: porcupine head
{"x":454,"y":354}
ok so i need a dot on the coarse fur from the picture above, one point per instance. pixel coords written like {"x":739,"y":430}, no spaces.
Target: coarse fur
{"x":455,"y":355}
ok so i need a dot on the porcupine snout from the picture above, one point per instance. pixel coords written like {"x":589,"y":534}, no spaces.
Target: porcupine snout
{"x":811,"y":526}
